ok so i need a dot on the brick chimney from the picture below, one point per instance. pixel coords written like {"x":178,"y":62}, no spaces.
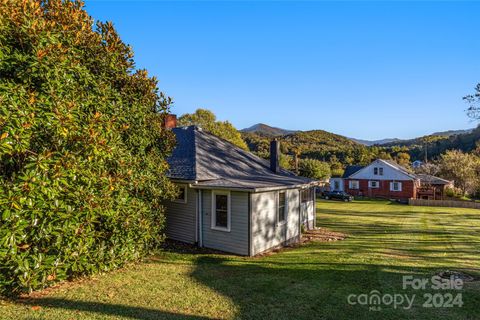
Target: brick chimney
{"x":275,"y":156}
{"x":170,"y":121}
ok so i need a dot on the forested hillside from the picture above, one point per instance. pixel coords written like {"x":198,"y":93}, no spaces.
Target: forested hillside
{"x":434,"y":145}
{"x":266,"y":130}
{"x":319,"y":144}
{"x":326,"y":146}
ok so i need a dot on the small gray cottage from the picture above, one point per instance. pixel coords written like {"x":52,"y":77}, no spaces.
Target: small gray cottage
{"x":232,"y":200}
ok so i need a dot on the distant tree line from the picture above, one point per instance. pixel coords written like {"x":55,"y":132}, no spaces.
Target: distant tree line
{"x":320,"y":154}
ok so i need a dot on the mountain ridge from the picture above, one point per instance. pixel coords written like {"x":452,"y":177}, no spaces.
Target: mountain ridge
{"x":269,"y":131}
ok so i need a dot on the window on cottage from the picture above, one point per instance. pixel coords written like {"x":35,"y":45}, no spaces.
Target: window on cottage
{"x":375,"y":171}
{"x":221,"y":211}
{"x":181,"y":195}
{"x":306,"y":195}
{"x":380,"y":171}
{"x":282,"y":207}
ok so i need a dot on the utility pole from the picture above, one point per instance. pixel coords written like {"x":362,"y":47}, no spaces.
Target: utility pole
{"x":296,"y":163}
{"x":425,"y":147}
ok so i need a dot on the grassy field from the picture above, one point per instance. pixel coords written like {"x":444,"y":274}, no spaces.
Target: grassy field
{"x":385,"y":241}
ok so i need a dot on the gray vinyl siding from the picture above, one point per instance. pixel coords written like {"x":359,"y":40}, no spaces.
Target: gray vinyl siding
{"x":308,"y":214}
{"x":266,"y":232}
{"x":181,"y":218}
{"x":236,"y":240}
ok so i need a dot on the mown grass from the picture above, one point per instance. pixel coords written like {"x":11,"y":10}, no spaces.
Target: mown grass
{"x":385,"y":241}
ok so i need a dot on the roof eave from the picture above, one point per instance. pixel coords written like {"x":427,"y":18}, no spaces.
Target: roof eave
{"x":242,"y":189}
{"x":297,"y":186}
{"x":182,"y":180}
{"x":261,"y":189}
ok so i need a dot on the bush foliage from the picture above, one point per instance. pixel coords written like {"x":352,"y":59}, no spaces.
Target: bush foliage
{"x":82,"y":152}
{"x":314,"y":169}
{"x":207,"y":120}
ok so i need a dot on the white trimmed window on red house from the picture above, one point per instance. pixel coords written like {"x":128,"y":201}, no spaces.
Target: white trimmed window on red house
{"x":395,"y":186}
{"x":354,"y":184}
{"x":373,"y":184}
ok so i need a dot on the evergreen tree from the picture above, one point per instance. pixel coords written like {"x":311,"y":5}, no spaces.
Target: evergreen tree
{"x":82,"y":151}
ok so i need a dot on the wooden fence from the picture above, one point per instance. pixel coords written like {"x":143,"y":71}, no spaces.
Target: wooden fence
{"x":444,"y":203}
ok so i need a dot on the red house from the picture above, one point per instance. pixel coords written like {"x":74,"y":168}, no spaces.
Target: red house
{"x":387,"y":179}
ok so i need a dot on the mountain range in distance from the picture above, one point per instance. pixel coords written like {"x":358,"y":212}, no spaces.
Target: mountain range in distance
{"x":375,"y":142}
{"x":268,"y":131}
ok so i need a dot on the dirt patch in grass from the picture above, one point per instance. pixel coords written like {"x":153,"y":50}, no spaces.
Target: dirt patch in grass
{"x":315,"y":235}
{"x":322,"y":235}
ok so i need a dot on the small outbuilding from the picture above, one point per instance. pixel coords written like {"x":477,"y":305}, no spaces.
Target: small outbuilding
{"x":233,"y":201}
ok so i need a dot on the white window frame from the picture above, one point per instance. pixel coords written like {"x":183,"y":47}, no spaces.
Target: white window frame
{"x":285,"y":207}
{"x":375,"y":171}
{"x":309,"y":197}
{"x":400,"y":186}
{"x":377,"y":184}
{"x":380,"y":171}
{"x":185,"y":189}
{"x":214,"y":211}
{"x":351,"y":184}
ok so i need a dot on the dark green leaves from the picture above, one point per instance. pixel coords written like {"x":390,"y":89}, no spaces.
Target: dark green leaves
{"x":82,"y":152}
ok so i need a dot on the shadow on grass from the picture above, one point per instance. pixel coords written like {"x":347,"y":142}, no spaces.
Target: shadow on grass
{"x":283,"y":288}
{"x":287,"y":290}
{"x":314,"y":282}
{"x":115,"y":310}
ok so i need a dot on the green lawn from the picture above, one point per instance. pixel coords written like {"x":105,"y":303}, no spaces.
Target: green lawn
{"x":386,"y":241}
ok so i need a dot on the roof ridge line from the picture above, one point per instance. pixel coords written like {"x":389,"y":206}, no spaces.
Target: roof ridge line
{"x":195,"y":162}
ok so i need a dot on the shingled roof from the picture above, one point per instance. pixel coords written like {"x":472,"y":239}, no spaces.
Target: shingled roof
{"x":429,"y":179}
{"x":211,"y":162}
{"x":349,"y":170}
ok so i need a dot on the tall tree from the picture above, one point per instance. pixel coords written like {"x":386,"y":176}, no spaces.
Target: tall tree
{"x":384,"y":155}
{"x":460,"y":167}
{"x":315,"y":169}
{"x":207,"y":120}
{"x":82,"y":151}
{"x":473,"y":100}
{"x":431,"y":168}
{"x":403,"y":159}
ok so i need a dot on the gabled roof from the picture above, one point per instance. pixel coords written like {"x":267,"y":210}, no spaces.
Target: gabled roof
{"x":212,"y":162}
{"x":426,"y":178}
{"x":349,"y":170}
{"x":389,"y":163}
{"x":398,"y":167}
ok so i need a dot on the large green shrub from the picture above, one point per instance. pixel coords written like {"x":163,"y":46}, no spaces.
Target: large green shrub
{"x":207,"y":120}
{"x":314,"y":169}
{"x":82,"y":151}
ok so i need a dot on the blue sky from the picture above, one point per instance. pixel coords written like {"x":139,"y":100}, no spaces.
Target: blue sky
{"x":367,"y":70}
